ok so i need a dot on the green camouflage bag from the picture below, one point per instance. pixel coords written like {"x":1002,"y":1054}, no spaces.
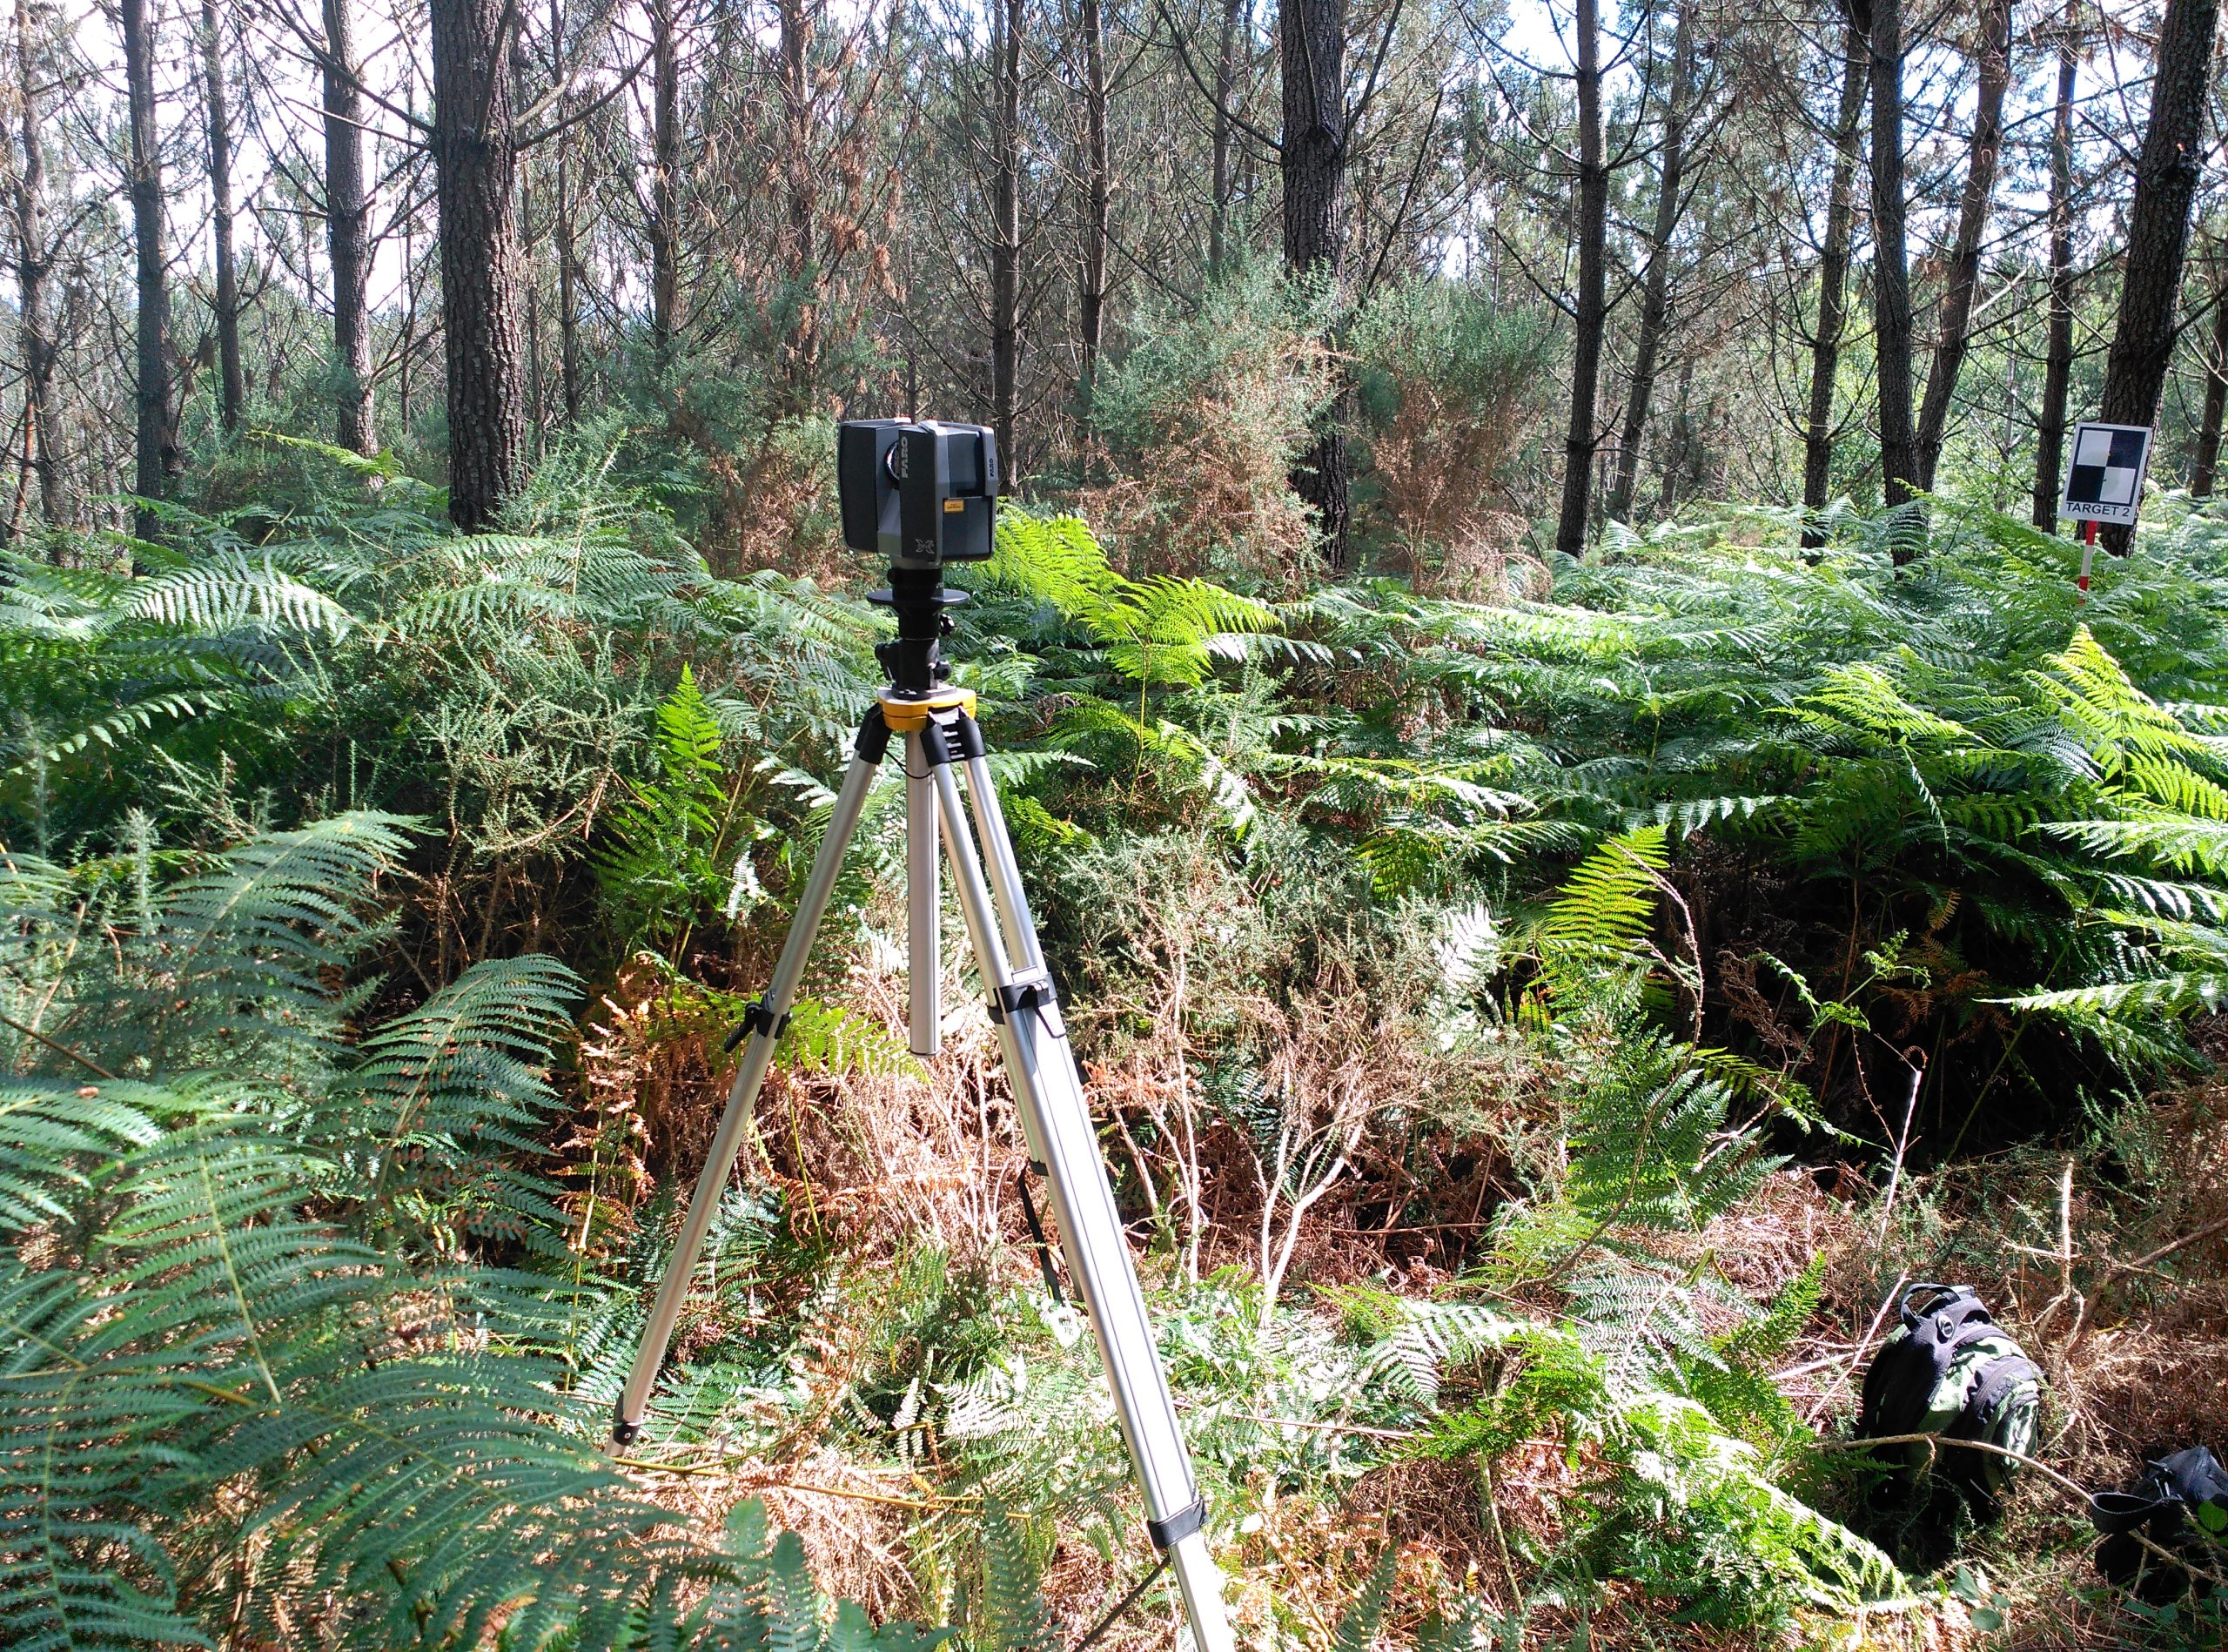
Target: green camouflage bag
{"x":1949,"y":1370}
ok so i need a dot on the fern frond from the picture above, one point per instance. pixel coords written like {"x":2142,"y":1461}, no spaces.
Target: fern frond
{"x":1599,"y":923}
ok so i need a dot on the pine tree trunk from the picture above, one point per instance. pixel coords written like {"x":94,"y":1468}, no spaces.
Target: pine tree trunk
{"x":530,"y":233}
{"x":348,"y":223}
{"x":665,"y":181}
{"x":799,"y":251}
{"x":1098,"y":207}
{"x":232,"y":391}
{"x":1655,"y":298}
{"x":1312,"y":36}
{"x":1955,"y":332}
{"x":1832,"y":291}
{"x":1226,"y":88}
{"x":2058,"y":368}
{"x":568,"y":310}
{"x":2166,"y":175}
{"x":568,"y":299}
{"x":2206,"y":465}
{"x":1590,"y":310}
{"x":475,"y":179}
{"x":1005,"y":233}
{"x":1882,"y":23}
{"x":1312,"y":42}
{"x":33,"y":264}
{"x":156,"y":436}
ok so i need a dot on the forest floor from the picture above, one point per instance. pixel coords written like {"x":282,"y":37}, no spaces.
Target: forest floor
{"x":2064,"y":1246}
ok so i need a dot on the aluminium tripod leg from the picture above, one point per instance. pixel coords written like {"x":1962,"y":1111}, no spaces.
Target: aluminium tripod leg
{"x":922,"y":904}
{"x":1049,"y":1093}
{"x":764,"y":1025}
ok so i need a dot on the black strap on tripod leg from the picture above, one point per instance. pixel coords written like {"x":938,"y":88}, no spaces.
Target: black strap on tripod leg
{"x":1037,"y":1233}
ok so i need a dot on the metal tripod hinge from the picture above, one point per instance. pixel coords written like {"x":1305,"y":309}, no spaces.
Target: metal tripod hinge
{"x":940,"y":735}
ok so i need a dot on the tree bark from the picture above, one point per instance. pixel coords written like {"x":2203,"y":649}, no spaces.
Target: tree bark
{"x":1590,"y":306}
{"x":1312,"y":36}
{"x":347,"y":224}
{"x":1097,"y":206}
{"x":1882,"y":24}
{"x":2206,"y":464}
{"x":665,"y":181}
{"x":1312,"y":42}
{"x":2058,"y":370}
{"x":568,"y":299}
{"x":800,"y":245}
{"x":1655,"y":298}
{"x":474,"y":166}
{"x":232,"y":390}
{"x":1005,"y":231}
{"x":1832,"y":291}
{"x":2158,"y":221}
{"x":568,"y":312}
{"x":155,"y":435}
{"x":34,"y":262}
{"x":1954,"y":332}
{"x":530,"y":234}
{"x":1226,"y":88}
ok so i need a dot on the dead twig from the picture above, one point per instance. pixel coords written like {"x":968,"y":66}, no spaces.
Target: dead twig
{"x":2165,"y":1251}
{"x":1931,"y":1442}
{"x":1903,"y":1140}
{"x":1325,"y":1427}
{"x":1121,"y":1606}
{"x":86,"y":1062}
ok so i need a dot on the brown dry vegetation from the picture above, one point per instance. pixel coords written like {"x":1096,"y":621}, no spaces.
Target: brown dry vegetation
{"x":2110,"y":1262}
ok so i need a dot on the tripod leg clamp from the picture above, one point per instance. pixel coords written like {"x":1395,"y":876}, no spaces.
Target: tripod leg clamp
{"x":756,"y":1018}
{"x":623,"y":1432}
{"x":1167,"y":1533}
{"x":1016,"y":996}
{"x":967,"y":738}
{"x":873,"y":736}
{"x":1030,"y":991}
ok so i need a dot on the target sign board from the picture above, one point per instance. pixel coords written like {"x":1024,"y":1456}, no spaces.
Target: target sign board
{"x":2105,"y":481}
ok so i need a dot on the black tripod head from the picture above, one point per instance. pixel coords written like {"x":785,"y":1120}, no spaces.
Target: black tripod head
{"x":914,"y":660}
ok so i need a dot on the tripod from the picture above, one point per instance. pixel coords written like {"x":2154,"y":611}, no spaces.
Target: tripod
{"x":936,"y":726}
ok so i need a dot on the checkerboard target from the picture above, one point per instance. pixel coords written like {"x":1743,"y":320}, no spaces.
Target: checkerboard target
{"x":2104,"y":482}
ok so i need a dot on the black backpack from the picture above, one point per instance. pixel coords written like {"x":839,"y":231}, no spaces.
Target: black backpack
{"x":1950,"y":1371}
{"x":2174,"y":1494}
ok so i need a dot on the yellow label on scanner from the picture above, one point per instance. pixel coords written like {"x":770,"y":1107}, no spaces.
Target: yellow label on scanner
{"x":953,"y":506}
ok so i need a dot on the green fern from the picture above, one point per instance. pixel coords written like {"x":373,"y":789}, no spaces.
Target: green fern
{"x":1596,"y":929}
{"x":661,"y":868}
{"x":1358,"y":1626}
{"x":1155,"y":633}
{"x":1011,"y":1616}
